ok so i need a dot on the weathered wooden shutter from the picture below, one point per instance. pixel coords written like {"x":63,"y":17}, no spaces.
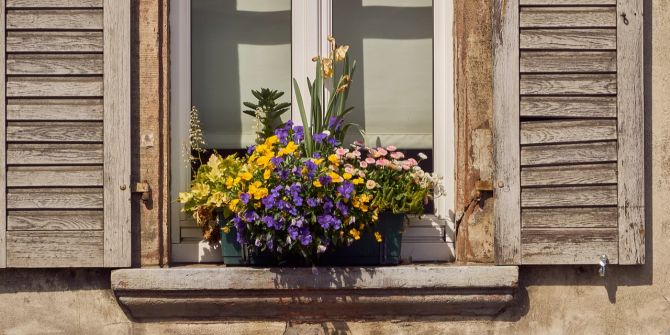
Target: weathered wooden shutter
{"x":65,"y":133}
{"x":568,"y":127}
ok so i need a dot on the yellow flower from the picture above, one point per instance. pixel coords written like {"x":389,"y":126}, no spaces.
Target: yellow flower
{"x":289,"y":149}
{"x":335,"y":177}
{"x":355,"y":234}
{"x":334,"y":159}
{"x":317,"y":183}
{"x":233,"y":204}
{"x":264,"y":161}
{"x":267,"y":174}
{"x":375,"y":215}
{"x":229,"y":182}
{"x":378,"y":237}
{"x":317,"y":161}
{"x":225,"y":230}
{"x":341,"y":52}
{"x":327,"y":65}
{"x":358,"y":181}
{"x":346,"y":176}
{"x":246,"y":176}
{"x":270,"y":141}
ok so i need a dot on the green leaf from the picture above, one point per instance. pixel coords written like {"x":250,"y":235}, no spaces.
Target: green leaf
{"x":303,"y":116}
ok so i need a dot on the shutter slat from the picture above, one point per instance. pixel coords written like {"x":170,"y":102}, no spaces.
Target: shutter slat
{"x":570,"y":217}
{"x":54,"y":176}
{"x":594,"y":39}
{"x":604,"y":17}
{"x":54,"y":154}
{"x":568,"y":107}
{"x":54,"y":109}
{"x":55,"y":220}
{"x":54,"y":64}
{"x":569,"y":153}
{"x":70,"y":19}
{"x":54,"y":132}
{"x":540,"y":132}
{"x":568,"y":84}
{"x":568,"y":61}
{"x":35,"y":249}
{"x":568,"y":2}
{"x":54,"y":86}
{"x":572,"y":196}
{"x":54,"y":41}
{"x":589,"y":174}
{"x":54,"y":198}
{"x":568,"y":246}
{"x":54,"y":3}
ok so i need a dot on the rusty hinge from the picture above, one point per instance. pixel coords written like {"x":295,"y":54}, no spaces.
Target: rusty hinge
{"x":143,"y":188}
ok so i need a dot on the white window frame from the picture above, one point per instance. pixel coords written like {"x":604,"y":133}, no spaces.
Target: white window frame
{"x":311,"y":24}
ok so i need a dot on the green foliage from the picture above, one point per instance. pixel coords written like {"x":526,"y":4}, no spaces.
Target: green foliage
{"x":328,"y":120}
{"x":266,"y":111}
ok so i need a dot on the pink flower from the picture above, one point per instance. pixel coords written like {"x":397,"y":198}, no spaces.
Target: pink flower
{"x":391,"y":148}
{"x":358,"y":143}
{"x":349,"y":169}
{"x":382,"y":151}
{"x":370,"y":184}
{"x":363,"y":164}
{"x":370,"y":160}
{"x":341,"y":151}
{"x":412,"y":162}
{"x":397,"y":155}
{"x":374,"y":153}
{"x":405,"y":166}
{"x":382,"y":162}
{"x":357,"y":153}
{"x":350,"y":155}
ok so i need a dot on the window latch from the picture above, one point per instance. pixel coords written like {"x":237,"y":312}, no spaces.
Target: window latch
{"x":144,"y":189}
{"x":603,"y":265}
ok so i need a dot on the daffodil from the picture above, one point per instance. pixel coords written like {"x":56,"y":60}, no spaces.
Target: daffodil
{"x":341,"y":53}
{"x":327,"y":67}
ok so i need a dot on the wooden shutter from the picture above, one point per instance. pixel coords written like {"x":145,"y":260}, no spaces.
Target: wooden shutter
{"x":65,"y":111}
{"x":568,"y":127}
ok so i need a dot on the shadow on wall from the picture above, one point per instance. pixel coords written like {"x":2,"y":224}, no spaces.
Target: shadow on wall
{"x":638,"y":275}
{"x":53,"y":280}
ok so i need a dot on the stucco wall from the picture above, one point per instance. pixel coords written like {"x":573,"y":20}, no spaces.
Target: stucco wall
{"x":551,"y":300}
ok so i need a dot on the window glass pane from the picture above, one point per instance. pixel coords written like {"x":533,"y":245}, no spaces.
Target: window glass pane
{"x":392,"y":91}
{"x":237,"y":46}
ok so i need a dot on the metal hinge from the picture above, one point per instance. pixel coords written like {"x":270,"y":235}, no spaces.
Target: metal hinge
{"x":144,"y":189}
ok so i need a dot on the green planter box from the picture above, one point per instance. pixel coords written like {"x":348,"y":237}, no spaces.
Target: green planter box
{"x":365,"y":251}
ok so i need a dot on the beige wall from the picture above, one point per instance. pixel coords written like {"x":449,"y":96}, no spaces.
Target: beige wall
{"x":551,"y":300}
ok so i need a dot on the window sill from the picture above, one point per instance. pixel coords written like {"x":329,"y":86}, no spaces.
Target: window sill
{"x":242,"y":293}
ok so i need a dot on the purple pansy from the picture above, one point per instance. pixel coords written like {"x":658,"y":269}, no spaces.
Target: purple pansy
{"x":244,"y":197}
{"x":346,"y":189}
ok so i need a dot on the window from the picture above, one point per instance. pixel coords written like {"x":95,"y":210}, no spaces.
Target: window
{"x":402,"y":90}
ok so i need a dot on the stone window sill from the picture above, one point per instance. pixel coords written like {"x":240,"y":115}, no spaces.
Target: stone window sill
{"x":242,"y":293}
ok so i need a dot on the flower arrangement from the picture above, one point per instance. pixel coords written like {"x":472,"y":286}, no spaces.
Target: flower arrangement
{"x":299,"y":192}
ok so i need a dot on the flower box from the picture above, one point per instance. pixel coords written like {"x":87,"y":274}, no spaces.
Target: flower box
{"x":365,"y":251}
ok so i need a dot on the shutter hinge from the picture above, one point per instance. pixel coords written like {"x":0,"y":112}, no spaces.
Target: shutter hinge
{"x":603,"y":265}
{"x":144,"y":189}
